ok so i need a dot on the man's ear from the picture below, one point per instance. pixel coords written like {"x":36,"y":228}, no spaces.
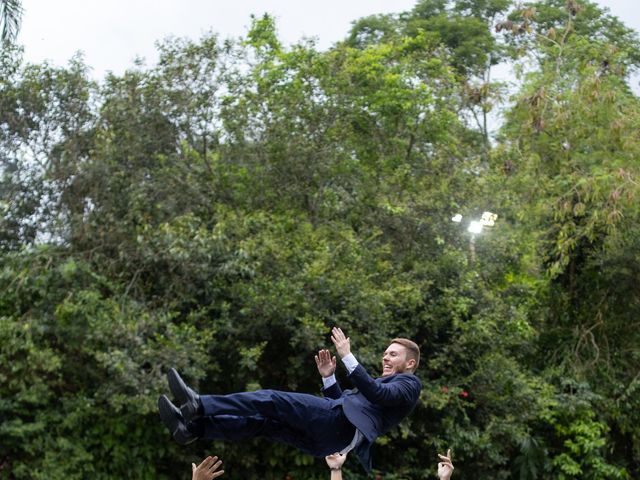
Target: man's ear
{"x":411,"y":364}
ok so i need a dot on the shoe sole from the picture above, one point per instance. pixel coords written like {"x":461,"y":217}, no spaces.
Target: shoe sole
{"x":177,"y":386}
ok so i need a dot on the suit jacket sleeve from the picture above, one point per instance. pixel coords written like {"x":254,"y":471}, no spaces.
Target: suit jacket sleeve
{"x":403,"y":389}
{"x":334,"y":391}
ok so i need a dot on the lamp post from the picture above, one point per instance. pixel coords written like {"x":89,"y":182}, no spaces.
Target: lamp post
{"x":475,"y":227}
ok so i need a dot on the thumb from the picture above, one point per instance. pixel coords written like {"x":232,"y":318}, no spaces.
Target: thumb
{"x":193,"y":467}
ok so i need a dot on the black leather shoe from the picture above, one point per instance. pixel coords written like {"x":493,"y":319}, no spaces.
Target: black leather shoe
{"x":188,"y":399}
{"x":173,"y":420}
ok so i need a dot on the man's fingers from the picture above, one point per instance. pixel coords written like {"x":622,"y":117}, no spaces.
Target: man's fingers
{"x":336,"y":340}
{"x":323,"y":357}
{"x":216,"y":466}
{"x":448,"y":453}
{"x":206,"y":464}
{"x":217,"y":474}
{"x":445,"y":464}
{"x":193,"y":467}
{"x":338,"y":336}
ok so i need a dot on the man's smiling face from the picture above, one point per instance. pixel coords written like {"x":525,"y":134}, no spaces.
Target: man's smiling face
{"x":394,"y":360}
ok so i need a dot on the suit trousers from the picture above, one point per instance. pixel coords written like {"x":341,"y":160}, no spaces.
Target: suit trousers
{"x":315,"y":425}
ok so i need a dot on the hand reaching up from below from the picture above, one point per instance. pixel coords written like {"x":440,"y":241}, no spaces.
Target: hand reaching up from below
{"x":445,"y":467}
{"x":207,"y":470}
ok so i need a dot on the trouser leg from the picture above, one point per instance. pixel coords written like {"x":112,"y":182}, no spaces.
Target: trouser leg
{"x":268,"y":403}
{"x":314,"y":424}
{"x":236,"y":429}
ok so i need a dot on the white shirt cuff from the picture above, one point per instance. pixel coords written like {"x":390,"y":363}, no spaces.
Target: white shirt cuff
{"x":350,"y":362}
{"x":328,"y":381}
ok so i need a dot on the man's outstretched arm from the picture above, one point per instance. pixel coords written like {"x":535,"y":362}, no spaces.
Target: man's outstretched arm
{"x":403,"y":389}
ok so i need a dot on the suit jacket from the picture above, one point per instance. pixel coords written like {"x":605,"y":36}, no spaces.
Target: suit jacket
{"x":375,"y":406}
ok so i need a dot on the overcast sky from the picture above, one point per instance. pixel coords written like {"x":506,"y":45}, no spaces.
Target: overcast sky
{"x":112,"y":33}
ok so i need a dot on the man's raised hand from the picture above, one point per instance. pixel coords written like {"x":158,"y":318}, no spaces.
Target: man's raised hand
{"x":336,"y":460}
{"x":326,"y":364}
{"x":207,"y":470}
{"x":445,"y":467}
{"x":341,"y":342}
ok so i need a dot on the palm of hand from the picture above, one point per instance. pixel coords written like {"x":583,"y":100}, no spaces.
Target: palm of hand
{"x":341,"y":342}
{"x":325,"y":363}
{"x":444,"y":471}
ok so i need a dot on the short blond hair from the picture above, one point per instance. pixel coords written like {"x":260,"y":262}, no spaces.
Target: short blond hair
{"x":412,"y":348}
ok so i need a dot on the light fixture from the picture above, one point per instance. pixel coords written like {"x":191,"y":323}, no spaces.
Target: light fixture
{"x":475,"y":227}
{"x":488,"y":219}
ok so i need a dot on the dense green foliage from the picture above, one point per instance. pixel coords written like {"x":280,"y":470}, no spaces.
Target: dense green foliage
{"x":219,"y":211}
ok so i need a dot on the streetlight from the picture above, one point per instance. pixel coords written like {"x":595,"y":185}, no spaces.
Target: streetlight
{"x":475,"y":227}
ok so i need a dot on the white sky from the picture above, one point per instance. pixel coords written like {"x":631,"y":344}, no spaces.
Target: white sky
{"x":112,"y":33}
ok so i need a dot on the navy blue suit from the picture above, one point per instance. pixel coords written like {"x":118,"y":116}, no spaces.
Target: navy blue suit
{"x":375,"y":406}
{"x":319,"y":426}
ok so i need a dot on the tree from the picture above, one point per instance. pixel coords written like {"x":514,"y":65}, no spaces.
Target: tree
{"x":572,"y":130}
{"x":228,"y":205}
{"x":10,"y":18}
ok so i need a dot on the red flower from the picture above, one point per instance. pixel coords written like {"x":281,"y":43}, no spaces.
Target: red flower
{"x":444,"y":389}
{"x":464,"y":394}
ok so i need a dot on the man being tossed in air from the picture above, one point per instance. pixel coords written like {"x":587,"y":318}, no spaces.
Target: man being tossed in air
{"x":342,"y":421}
